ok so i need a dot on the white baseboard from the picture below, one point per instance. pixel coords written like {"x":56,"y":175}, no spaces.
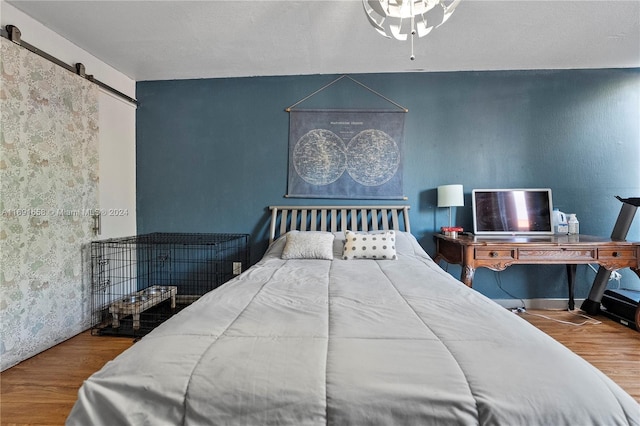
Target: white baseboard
{"x":550,"y":304}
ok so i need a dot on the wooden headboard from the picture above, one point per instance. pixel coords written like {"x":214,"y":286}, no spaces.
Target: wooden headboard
{"x":337,"y":218}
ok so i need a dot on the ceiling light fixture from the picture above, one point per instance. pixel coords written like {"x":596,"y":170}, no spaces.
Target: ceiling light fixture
{"x":401,"y":18}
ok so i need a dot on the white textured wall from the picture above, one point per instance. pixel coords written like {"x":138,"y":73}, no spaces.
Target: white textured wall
{"x":117,"y":187}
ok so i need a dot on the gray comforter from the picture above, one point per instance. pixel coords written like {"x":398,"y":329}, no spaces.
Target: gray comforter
{"x":349,"y":342}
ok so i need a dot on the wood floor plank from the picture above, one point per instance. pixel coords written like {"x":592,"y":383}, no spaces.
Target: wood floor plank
{"x":43,"y":389}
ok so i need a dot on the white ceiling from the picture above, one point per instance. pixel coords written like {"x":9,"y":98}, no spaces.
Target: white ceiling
{"x":163,"y":40}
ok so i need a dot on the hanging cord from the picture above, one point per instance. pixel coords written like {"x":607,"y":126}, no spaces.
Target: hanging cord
{"x":499,"y":282}
{"x":615,"y":275}
{"x":589,"y":320}
{"x":353,"y":80}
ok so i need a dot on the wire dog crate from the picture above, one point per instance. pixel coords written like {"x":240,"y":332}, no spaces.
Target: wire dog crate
{"x":140,"y":281}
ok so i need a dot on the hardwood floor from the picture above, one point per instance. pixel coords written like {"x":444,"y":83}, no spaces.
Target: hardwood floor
{"x":610,"y":346}
{"x":42,"y":390}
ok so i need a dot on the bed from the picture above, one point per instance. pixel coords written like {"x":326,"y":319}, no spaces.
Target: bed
{"x":307,"y":337}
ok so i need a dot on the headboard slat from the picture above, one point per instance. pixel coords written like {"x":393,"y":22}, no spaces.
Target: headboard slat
{"x":394,"y":216}
{"x":343,"y":219}
{"x":354,"y":219}
{"x":337,"y":218}
{"x":323,"y":220}
{"x":334,"y":220}
{"x":272,"y":226}
{"x":314,"y":215}
{"x":385,"y":219}
{"x":294,"y":219}
{"x":363,"y":220}
{"x":283,"y":223}
{"x":374,"y":219}
{"x":303,"y":221}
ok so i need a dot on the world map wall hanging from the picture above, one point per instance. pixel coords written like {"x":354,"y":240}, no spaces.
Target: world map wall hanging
{"x":346,"y":154}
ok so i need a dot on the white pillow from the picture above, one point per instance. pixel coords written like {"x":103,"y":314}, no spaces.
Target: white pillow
{"x":375,"y":245}
{"x":308,"y":245}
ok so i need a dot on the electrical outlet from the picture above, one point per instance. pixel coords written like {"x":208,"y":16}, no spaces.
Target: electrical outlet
{"x":237,"y":268}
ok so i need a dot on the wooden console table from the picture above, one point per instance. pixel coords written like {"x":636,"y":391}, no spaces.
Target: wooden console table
{"x":497,"y":254}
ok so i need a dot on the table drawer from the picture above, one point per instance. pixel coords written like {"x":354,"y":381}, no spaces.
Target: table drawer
{"x":621,"y":254}
{"x":494,"y":254}
{"x":549,"y":254}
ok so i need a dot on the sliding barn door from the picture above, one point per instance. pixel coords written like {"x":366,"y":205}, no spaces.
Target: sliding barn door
{"x":48,"y":178}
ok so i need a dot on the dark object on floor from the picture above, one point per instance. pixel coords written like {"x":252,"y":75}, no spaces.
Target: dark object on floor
{"x":622,"y":305}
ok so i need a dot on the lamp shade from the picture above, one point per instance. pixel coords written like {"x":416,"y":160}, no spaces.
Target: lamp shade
{"x":450,"y":196}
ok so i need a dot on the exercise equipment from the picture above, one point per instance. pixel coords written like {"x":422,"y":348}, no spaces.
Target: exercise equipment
{"x":591,"y":305}
{"x":622,"y":305}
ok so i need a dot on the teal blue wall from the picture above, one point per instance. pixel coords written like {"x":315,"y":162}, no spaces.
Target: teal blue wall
{"x":212,"y":153}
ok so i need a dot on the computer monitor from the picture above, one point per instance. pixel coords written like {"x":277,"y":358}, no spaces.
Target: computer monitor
{"x":525,"y":211}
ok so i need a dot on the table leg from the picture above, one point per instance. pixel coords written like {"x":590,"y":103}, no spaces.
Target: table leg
{"x":571,"y":281}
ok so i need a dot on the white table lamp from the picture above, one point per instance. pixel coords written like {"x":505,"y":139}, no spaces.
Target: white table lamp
{"x":450,"y":196}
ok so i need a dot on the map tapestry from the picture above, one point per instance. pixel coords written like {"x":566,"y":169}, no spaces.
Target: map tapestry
{"x":345,"y":154}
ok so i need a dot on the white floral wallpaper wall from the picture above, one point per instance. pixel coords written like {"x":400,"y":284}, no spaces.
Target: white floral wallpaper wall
{"x":48,"y":191}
